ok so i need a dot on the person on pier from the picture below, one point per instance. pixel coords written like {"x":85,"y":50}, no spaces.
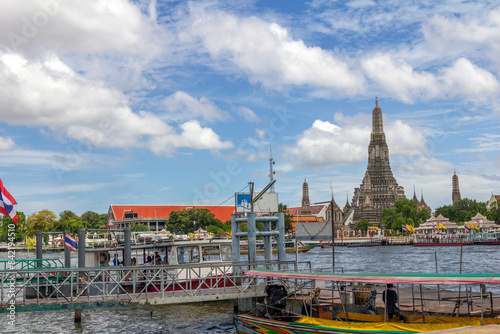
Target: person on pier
{"x":391,"y":308}
{"x":116,"y":261}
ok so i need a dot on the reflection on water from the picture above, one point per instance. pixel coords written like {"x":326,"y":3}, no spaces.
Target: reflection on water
{"x":216,"y":317}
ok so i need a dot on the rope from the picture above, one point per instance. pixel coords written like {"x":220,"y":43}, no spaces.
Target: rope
{"x":228,"y":198}
{"x":312,"y":236}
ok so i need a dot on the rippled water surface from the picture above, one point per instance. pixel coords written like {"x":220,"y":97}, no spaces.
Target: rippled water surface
{"x":216,"y":317}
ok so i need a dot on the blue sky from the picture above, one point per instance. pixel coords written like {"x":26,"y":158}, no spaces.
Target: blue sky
{"x":177,"y":102}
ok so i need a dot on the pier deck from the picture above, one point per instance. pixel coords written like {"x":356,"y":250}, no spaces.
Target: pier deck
{"x":79,"y":288}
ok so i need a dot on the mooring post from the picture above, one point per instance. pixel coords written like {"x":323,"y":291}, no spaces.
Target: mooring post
{"x":67,"y":252}
{"x":235,"y":249}
{"x":127,"y":247}
{"x":252,"y":237}
{"x":268,"y":245}
{"x":81,"y":248}
{"x":81,"y":264}
{"x":39,"y":248}
{"x":280,"y":227}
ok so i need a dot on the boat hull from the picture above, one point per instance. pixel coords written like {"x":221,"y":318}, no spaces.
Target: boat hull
{"x":206,"y":283}
{"x":301,"y":249}
{"x":248,"y":324}
{"x":423,"y":244}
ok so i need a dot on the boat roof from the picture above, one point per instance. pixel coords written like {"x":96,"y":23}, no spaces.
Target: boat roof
{"x":165,"y":243}
{"x":403,"y":278}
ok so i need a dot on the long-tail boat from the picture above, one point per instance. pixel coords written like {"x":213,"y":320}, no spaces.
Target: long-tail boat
{"x":345,"y":322}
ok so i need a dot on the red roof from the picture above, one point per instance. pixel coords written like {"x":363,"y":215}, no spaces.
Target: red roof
{"x":315,"y":209}
{"x":222,"y":212}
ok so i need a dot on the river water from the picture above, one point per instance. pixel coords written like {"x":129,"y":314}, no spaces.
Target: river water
{"x":216,"y":317}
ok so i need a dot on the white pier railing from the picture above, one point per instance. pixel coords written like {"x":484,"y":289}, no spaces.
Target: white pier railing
{"x":49,"y":288}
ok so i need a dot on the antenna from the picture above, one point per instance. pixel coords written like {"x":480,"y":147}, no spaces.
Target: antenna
{"x":271,"y":172}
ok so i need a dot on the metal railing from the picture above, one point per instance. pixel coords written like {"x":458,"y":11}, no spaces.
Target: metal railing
{"x":15,"y":265}
{"x":80,"y":285}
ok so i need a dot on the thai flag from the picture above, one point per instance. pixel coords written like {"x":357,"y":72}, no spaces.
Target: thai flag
{"x":70,"y":242}
{"x":467,"y":228}
{"x":7,"y":203}
{"x":405,"y":228}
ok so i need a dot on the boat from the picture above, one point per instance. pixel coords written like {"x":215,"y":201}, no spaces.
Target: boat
{"x":349,"y":322}
{"x":250,"y":324}
{"x":177,"y":257}
{"x":420,"y":240}
{"x":289,"y":248}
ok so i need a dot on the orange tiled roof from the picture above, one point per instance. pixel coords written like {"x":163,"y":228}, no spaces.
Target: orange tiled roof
{"x":315,"y":209}
{"x":222,"y":212}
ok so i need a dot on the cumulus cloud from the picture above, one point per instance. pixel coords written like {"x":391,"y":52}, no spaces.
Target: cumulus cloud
{"x":193,"y":135}
{"x":268,"y":54}
{"x":182,"y":106}
{"x":49,"y":94}
{"x":404,"y":139}
{"x":247,"y":114}
{"x":327,"y":144}
{"x":83,"y":26}
{"x":400,"y":80}
{"x":448,"y":35}
{"x":6,"y":144}
{"x":346,"y":142}
{"x":421,"y":165}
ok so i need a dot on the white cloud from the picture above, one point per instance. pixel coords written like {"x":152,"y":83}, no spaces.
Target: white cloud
{"x":268,"y":54}
{"x":485,"y":142}
{"x":182,"y":106}
{"x":83,"y":26}
{"x":49,"y":94}
{"x":192,"y":136}
{"x":421,"y":165}
{"x":326,"y":144}
{"x":448,"y":35}
{"x":6,"y":143}
{"x":65,"y":189}
{"x":344,"y":143}
{"x":403,"y":139}
{"x":247,"y":114}
{"x":400,"y":80}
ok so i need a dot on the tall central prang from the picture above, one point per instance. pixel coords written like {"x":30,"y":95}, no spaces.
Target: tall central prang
{"x":379,"y":188}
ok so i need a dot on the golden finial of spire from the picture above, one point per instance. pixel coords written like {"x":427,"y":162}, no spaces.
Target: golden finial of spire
{"x":376,"y":101}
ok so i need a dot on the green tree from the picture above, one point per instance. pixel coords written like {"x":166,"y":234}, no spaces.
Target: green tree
{"x":19,"y":227}
{"x":188,"y":221}
{"x":494,"y":213}
{"x":392,"y":220}
{"x":67,"y":215}
{"x":41,"y":221}
{"x":92,"y":219}
{"x":462,"y":210}
{"x":405,"y":211}
{"x":362,"y":225}
{"x":138,"y":227}
{"x":282,"y":208}
{"x":216,"y":231}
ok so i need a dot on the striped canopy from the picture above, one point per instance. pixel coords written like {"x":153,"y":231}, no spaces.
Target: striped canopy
{"x":405,"y":278}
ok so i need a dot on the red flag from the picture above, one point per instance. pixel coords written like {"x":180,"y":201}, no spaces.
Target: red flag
{"x":7,"y":203}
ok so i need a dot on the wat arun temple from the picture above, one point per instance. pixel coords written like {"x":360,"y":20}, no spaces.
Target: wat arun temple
{"x":379,"y":188}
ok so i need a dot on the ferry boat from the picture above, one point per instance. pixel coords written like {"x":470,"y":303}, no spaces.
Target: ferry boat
{"x":177,"y":257}
{"x":289,"y":247}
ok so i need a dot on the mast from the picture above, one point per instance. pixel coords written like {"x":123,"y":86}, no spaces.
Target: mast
{"x":271,"y":171}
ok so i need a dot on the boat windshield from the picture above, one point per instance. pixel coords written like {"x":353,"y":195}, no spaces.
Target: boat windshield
{"x":190,"y":254}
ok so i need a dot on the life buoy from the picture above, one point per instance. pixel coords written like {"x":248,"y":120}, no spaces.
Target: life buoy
{"x":103,"y":259}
